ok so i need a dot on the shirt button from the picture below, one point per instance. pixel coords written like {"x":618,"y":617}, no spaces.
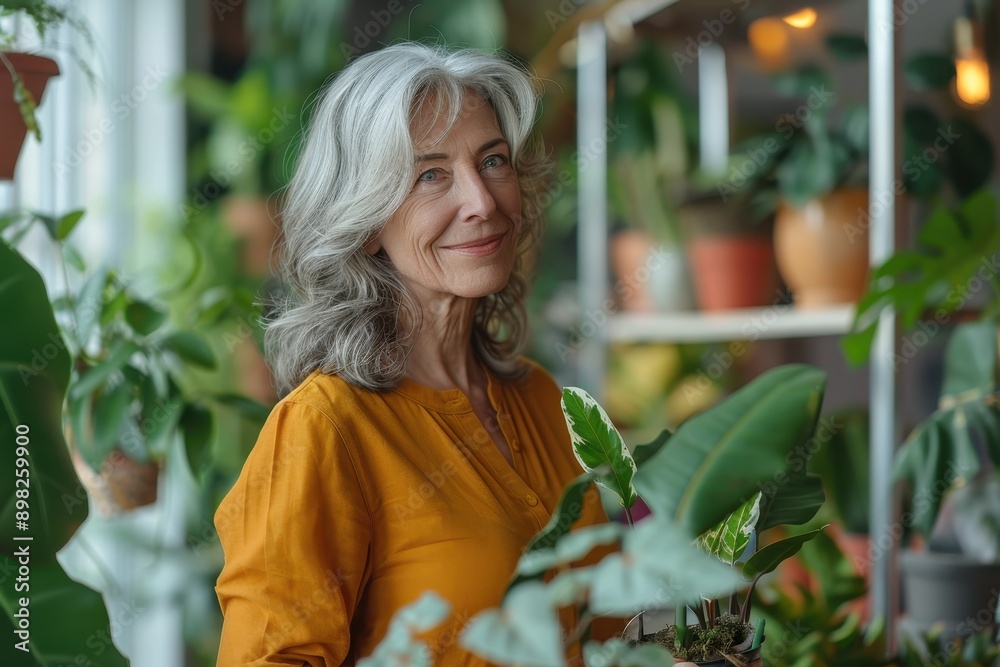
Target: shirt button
{"x":531,"y":499}
{"x":515,"y":444}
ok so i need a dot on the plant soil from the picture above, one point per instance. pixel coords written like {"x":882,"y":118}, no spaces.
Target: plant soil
{"x":711,"y":644}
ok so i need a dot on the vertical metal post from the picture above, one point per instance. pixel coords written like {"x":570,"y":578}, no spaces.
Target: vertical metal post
{"x":884,"y":104}
{"x":592,"y":233}
{"x":713,"y":109}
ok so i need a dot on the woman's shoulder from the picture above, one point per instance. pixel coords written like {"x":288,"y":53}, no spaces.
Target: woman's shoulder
{"x":328,"y":394}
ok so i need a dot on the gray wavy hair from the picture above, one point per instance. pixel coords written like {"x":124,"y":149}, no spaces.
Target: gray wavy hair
{"x":340,"y":310}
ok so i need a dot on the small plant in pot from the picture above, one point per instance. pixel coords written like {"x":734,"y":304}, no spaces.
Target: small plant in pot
{"x":949,"y":461}
{"x":125,"y":402}
{"x":811,"y":170}
{"x":24,"y":76}
{"x":706,"y":480}
{"x":723,"y":633}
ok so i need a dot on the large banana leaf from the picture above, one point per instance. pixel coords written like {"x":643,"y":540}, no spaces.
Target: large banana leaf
{"x":68,"y":621}
{"x":717,"y":460}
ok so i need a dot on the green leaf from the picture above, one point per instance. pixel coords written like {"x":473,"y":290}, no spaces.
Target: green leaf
{"x":74,"y":258}
{"x":855,"y":127}
{"x":191,"y":347}
{"x":109,"y":412}
{"x":89,"y":304}
{"x":619,"y":653}
{"x":568,"y":510}
{"x":794,"y":503}
{"x":970,"y":360}
{"x":925,"y":461}
{"x":159,"y":420}
{"x":597,"y":444}
{"x":807,"y":172}
{"x":986,"y":421}
{"x":847,"y":47}
{"x":50,"y":223}
{"x":67,"y":223}
{"x":921,"y":124}
{"x":929,"y":71}
{"x":657,"y":567}
{"x":67,"y":619}
{"x":843,"y":466}
{"x":398,"y":646}
{"x":802,"y":81}
{"x":642,"y":453}
{"x":143,"y":318}
{"x":729,"y":539}
{"x":429,"y":611}
{"x":569,"y":549}
{"x":525,"y":631}
{"x":118,"y":355}
{"x":34,"y":372}
{"x":247,"y":407}
{"x":723,"y":456}
{"x":970,"y":158}
{"x":771,"y":556}
{"x":857,"y":345}
{"x":196,"y":425}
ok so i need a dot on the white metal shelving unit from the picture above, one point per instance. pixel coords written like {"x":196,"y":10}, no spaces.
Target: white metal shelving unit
{"x":751,"y":324}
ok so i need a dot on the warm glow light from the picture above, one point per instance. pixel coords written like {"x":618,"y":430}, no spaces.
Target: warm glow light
{"x":803,"y":19}
{"x":769,"y":41}
{"x":972,"y":80}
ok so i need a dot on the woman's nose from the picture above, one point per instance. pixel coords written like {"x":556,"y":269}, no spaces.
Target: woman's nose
{"x":476,"y":199}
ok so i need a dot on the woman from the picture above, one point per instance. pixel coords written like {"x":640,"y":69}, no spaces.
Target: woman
{"x":415,"y":450}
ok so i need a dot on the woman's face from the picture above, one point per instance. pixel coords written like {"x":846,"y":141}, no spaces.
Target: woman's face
{"x":456,"y":233}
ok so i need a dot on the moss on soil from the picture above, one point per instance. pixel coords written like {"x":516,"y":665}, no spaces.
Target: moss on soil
{"x":708,"y":644}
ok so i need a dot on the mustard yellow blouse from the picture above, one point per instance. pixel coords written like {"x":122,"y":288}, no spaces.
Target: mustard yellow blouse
{"x":352,"y":503}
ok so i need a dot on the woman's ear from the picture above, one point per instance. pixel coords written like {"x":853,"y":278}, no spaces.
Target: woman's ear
{"x":373,"y":246}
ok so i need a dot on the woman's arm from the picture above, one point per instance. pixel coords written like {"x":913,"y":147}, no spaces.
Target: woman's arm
{"x":296,"y":535}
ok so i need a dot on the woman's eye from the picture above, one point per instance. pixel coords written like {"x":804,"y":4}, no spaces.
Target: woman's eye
{"x":428,"y":176}
{"x":495,"y":161}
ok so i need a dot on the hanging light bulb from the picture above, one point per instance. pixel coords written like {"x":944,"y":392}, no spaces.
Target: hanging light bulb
{"x":972,"y":72}
{"x":805,"y":18}
{"x":769,"y":41}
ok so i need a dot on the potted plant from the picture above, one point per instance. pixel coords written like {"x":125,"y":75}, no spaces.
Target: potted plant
{"x":23,"y":76}
{"x":812,"y":171}
{"x":648,"y":157}
{"x":723,"y":633}
{"x":949,"y":459}
{"x":125,"y":400}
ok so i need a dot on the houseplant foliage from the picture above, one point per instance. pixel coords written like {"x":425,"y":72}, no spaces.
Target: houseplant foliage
{"x":24,"y":76}
{"x":125,"y":394}
{"x":67,"y":616}
{"x":950,"y":457}
{"x":699,"y":481}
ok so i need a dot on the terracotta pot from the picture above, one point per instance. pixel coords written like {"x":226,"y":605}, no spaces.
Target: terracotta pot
{"x":121,"y":485}
{"x":35,"y":72}
{"x":647,"y":277}
{"x":822,"y":248}
{"x":733,"y":271}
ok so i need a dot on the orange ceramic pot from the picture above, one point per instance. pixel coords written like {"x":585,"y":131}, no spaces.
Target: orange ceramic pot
{"x":732,"y":271}
{"x":822,"y":248}
{"x":35,"y":72}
